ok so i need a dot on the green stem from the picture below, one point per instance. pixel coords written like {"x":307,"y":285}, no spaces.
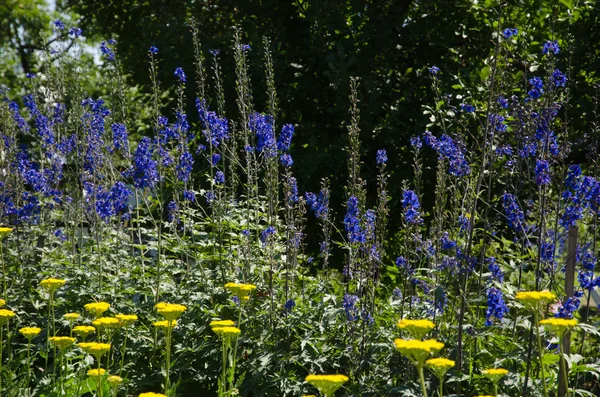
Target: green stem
{"x":565,"y":369}
{"x":123,"y":352}
{"x":1,"y":346}
{"x":442,"y":386}
{"x":495,"y":388}
{"x":223,"y":377}
{"x":540,"y":352}
{"x":28,"y":367}
{"x":422,"y":379}
{"x":168,"y":360}
{"x":98,"y":379}
{"x":3,"y":273}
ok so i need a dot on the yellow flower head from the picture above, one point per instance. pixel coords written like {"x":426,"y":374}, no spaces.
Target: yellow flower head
{"x":439,"y":366}
{"x":170,"y":311}
{"x":558,"y":326}
{"x":2,"y":302}
{"x":106,"y":322}
{"x":52,"y":284}
{"x":242,"y":291}
{"x":327,"y":384}
{"x":165,"y":324}
{"x":227,"y":332}
{"x":309,"y":395}
{"x":221,"y":323}
{"x":416,"y":328}
{"x":152,"y":395}
{"x":532,"y":299}
{"x":83,"y":330}
{"x":95,"y":349}
{"x":5,"y":230}
{"x":494,"y":374}
{"x":62,"y":342}
{"x":97,"y":372}
{"x":71,"y":316}
{"x":126,"y":319}
{"x":6,"y":315}
{"x":114,"y":380}
{"x":30,"y":332}
{"x":97,"y":308}
{"x":418,"y":351}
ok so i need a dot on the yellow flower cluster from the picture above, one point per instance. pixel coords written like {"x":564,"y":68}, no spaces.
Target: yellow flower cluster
{"x":152,"y":395}
{"x":495,"y":372}
{"x":559,"y":325}
{"x":5,"y":230}
{"x":418,"y":351}
{"x":83,"y":330}
{"x":62,"y":342}
{"x":30,"y":332}
{"x":170,"y":311}
{"x":416,"y":328}
{"x":221,"y":323}
{"x":227,"y":332}
{"x":242,"y":291}
{"x":94,"y":348}
{"x":126,"y":319}
{"x":2,"y":302}
{"x":165,"y":324}
{"x":6,"y":315}
{"x":52,"y":284}
{"x":71,"y":316}
{"x":531,"y":299}
{"x":106,"y":322}
{"x":97,"y":372}
{"x":114,"y":380}
{"x":439,"y":366}
{"x":327,"y":384}
{"x":97,"y":308}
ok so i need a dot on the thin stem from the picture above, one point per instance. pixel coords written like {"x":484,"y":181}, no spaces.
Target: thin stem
{"x":28,"y":367}
{"x":422,"y":380}
{"x":1,"y":346}
{"x":540,"y":352}
{"x":123,"y":352}
{"x":3,"y":273}
{"x":168,"y":358}
{"x":565,"y":369}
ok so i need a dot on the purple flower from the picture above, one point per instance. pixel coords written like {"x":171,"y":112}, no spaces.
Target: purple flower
{"x":503,"y":102}
{"x":415,"y":142}
{"x":434,"y":70}
{"x":215,"y":158}
{"x":214,"y":52}
{"x":180,"y":74}
{"x":381,"y":157}
{"x":552,"y":47}
{"x":285,"y":138}
{"x":352,"y":222}
{"x":496,"y":306}
{"x":286,"y":160}
{"x":559,"y":78}
{"x":542,"y":172}
{"x":189,"y":195}
{"x":58,"y":25}
{"x":75,"y":32}
{"x":265,"y":235}
{"x":184,"y":168}
{"x":219,"y":177}
{"x":411,"y":205}
{"x":467,"y":108}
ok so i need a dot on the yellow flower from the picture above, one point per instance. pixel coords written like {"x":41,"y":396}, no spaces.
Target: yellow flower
{"x":439,"y":366}
{"x":494,"y":374}
{"x":97,"y":308}
{"x":30,"y":332}
{"x":2,"y":302}
{"x":83,"y":330}
{"x":170,"y":311}
{"x":531,"y":299}
{"x":114,"y":380}
{"x":71,"y":316}
{"x":309,"y":395}
{"x":126,"y":319}
{"x":106,"y":322}
{"x":52,"y":284}
{"x":558,"y":326}
{"x":416,"y":328}
{"x":418,"y":351}
{"x":5,"y":230}
{"x":62,"y":342}
{"x":221,"y":323}
{"x":97,"y":372}
{"x":241,"y":290}
{"x":152,"y":395}
{"x":165,"y":324}
{"x":227,"y":332}
{"x":95,"y":349}
{"x":327,"y":384}
{"x":6,"y":315}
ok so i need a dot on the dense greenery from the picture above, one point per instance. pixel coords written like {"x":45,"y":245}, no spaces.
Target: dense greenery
{"x":451,"y":147}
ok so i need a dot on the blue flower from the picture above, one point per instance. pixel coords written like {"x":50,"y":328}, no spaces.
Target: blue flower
{"x":415,"y":142}
{"x":352,"y":222}
{"x":215,"y":158}
{"x":189,"y":195}
{"x":58,"y":24}
{"x":567,"y":309}
{"x":30,"y":75}
{"x":497,"y":121}
{"x":467,"y":108}
{"x":75,"y":32}
{"x":447,"y":243}
{"x":219,"y":177}
{"x":286,"y":160}
{"x":381,"y":157}
{"x":153,"y":50}
{"x":293,"y":190}
{"x":510,"y":32}
{"x":262,"y":126}
{"x":496,"y":306}
{"x":107,"y":51}
{"x":184,"y":168}
{"x":246,"y":232}
{"x":349,"y":304}
{"x":493,"y":267}
{"x":120,"y":137}
{"x":451,"y":151}
{"x":216,"y":129}
{"x":214,"y":52}
{"x":266,"y":234}
{"x":144,"y":170}
{"x":319,"y":205}
{"x":542,"y":172}
{"x":180,"y":74}
{"x":411,"y":205}
{"x":503,"y":102}
{"x":403,"y":264}
{"x":289,"y":305}
{"x":552,"y":47}
{"x":285,"y":138}
{"x":513,"y":212}
{"x":434,"y":70}
{"x":538,"y":87}
{"x":559,"y":78}
{"x":172,"y":209}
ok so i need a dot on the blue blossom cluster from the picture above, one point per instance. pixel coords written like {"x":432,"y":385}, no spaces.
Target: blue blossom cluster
{"x":411,"y":207}
{"x":352,"y":222}
{"x":496,"y":306}
{"x":262,"y":126}
{"x":318,"y":204}
{"x":450,"y":151}
{"x":510,"y":32}
{"x":381,"y":157}
{"x":513,"y":212}
{"x":216,"y":129}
